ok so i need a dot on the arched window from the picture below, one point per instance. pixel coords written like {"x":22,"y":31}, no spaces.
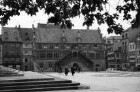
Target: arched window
{"x":75,"y":54}
{"x":49,"y":55}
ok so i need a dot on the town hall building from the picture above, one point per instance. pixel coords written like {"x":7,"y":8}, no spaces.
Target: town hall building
{"x":48,"y":47}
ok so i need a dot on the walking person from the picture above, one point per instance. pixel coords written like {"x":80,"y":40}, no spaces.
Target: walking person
{"x":66,"y":71}
{"x":79,"y":69}
{"x":60,"y":70}
{"x":72,"y":71}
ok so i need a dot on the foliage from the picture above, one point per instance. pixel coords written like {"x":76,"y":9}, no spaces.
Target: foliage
{"x":64,"y":10}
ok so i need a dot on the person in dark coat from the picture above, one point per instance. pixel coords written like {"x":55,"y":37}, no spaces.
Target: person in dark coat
{"x":72,"y":71}
{"x":66,"y":71}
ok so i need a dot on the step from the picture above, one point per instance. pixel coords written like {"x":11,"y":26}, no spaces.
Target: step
{"x":11,"y":87}
{"x":42,"y":89}
{"x":26,"y":80}
{"x":2,"y":84}
{"x":9,"y":75}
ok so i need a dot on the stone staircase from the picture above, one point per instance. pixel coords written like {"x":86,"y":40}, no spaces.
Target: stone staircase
{"x":6,"y":71}
{"x":38,"y":84}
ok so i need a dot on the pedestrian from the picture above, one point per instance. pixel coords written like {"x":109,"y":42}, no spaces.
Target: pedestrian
{"x":60,"y":70}
{"x":72,"y":71}
{"x":79,"y":69}
{"x":66,"y":71}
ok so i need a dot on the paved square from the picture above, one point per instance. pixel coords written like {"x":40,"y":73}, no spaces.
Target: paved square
{"x":104,"y":82}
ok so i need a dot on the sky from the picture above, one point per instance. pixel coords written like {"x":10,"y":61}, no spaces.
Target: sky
{"x":26,"y":21}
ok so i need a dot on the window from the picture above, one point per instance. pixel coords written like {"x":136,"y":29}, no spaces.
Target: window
{"x":56,"y":47}
{"x":27,"y":39}
{"x":6,"y":59}
{"x":50,"y":64}
{"x":45,"y":47}
{"x":79,"y":39}
{"x":126,"y":36}
{"x":56,"y":55}
{"x":51,"y":46}
{"x":95,"y":45}
{"x":122,"y":36}
{"x":92,"y":55}
{"x":39,"y":46}
{"x":26,"y":60}
{"x":108,"y":42}
{"x":63,"y":39}
{"x":42,"y":55}
{"x":26,"y":33}
{"x":97,"y":55}
{"x":49,"y":55}
{"x":41,"y":65}
{"x":15,"y":33}
{"x":62,"y":46}
{"x":75,"y":54}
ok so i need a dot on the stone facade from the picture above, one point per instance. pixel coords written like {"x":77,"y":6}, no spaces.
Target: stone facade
{"x":11,"y":48}
{"x":113,"y":52}
{"x":128,"y":35}
{"x":0,"y":51}
{"x":48,"y":47}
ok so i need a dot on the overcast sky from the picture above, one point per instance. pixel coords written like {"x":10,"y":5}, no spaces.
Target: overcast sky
{"x":25,"y":20}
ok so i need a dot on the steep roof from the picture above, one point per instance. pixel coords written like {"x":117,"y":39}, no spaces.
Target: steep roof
{"x":10,"y":34}
{"x":132,"y":32}
{"x":54,"y":34}
{"x":26,"y":34}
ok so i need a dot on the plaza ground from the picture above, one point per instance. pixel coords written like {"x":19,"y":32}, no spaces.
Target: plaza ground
{"x":103,"y":81}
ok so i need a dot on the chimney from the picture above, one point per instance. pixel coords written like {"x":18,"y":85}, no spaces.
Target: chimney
{"x":33,"y":27}
{"x":19,"y":26}
{"x":87,"y":28}
{"x":16,"y":27}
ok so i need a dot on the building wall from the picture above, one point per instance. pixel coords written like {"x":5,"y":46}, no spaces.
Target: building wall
{"x":113,"y":52}
{"x":64,"y":52}
{"x":0,"y":53}
{"x":27,"y":59}
{"x":127,"y":36}
{"x":138,"y":52}
{"x":11,"y":54}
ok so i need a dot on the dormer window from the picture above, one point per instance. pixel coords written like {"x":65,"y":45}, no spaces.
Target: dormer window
{"x":15,"y":34}
{"x":5,"y":33}
{"x":79,"y":39}
{"x":63,"y":39}
{"x":26,"y":33}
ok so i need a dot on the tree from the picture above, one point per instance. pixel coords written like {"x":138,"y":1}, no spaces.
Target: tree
{"x":64,"y":10}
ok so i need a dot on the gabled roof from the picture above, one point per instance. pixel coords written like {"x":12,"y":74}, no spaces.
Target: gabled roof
{"x":132,"y":32}
{"x":134,"y":39}
{"x":54,"y":34}
{"x":26,"y":34}
{"x":10,"y":34}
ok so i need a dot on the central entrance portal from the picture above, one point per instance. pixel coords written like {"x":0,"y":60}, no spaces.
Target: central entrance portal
{"x":76,"y":66}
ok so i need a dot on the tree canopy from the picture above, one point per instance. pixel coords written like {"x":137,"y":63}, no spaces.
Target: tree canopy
{"x":64,"y":10}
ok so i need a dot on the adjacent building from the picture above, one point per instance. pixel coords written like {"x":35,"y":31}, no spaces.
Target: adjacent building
{"x":11,"y":48}
{"x":26,"y":35}
{"x":134,"y":53}
{"x":113,"y":52}
{"x":127,"y":36}
{"x":0,"y":51}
